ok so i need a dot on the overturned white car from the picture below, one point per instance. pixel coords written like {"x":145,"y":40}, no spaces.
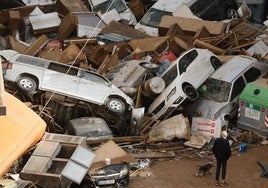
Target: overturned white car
{"x":32,"y":74}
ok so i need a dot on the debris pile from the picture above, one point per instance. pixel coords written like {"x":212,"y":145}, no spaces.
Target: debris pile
{"x":113,"y":97}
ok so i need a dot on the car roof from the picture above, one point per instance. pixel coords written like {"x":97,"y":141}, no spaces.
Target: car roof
{"x":233,"y":68}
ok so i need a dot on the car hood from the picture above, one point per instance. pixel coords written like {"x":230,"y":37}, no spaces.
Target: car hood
{"x":204,"y":108}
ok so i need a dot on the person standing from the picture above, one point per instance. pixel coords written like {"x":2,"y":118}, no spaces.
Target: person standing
{"x":222,"y":152}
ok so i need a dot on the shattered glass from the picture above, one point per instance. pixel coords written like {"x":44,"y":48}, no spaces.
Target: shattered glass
{"x":217,"y":90}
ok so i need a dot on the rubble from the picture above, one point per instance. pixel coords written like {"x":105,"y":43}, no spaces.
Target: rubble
{"x":71,"y":33}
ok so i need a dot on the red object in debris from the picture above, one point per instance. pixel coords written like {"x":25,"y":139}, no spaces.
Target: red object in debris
{"x":137,"y":56}
{"x":166,"y":55}
{"x":54,"y":44}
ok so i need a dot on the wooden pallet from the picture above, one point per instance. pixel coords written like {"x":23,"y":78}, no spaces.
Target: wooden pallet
{"x":147,"y":124}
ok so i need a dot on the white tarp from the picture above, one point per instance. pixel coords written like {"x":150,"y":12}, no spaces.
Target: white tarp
{"x":175,"y":127}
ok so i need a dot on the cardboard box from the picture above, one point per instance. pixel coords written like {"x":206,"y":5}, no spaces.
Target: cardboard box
{"x":67,"y":26}
{"x":14,"y":21}
{"x":193,"y":25}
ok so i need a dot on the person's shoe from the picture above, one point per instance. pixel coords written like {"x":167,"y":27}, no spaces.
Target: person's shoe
{"x":217,"y":183}
{"x":224,"y":183}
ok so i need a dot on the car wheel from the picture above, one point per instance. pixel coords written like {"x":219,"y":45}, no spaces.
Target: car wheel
{"x":27,"y":84}
{"x":231,"y":13}
{"x":116,"y":105}
{"x":191,"y":92}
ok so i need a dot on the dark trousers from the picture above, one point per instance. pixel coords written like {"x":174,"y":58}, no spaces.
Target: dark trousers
{"x":221,"y":163}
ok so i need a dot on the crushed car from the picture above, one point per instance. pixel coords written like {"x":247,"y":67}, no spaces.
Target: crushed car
{"x":215,"y":10}
{"x":182,"y":78}
{"x":115,"y":175}
{"x":117,"y":9}
{"x":220,"y":92}
{"x":32,"y":74}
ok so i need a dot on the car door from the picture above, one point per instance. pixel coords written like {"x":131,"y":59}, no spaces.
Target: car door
{"x":60,"y":79}
{"x":93,"y":87}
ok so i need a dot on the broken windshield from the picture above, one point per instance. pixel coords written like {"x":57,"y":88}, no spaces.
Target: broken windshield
{"x":217,"y":90}
{"x":154,"y":16}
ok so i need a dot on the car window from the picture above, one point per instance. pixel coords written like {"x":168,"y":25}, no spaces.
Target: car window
{"x":63,"y":69}
{"x":116,"y":4}
{"x":238,"y":86}
{"x":216,"y":90}
{"x":93,"y":77}
{"x":153,"y":17}
{"x":32,"y":61}
{"x":186,"y":60}
{"x":169,"y":76}
{"x":252,"y":74}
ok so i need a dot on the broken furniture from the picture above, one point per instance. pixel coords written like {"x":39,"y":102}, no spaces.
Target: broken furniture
{"x":264,"y":168}
{"x":241,"y":36}
{"x":58,"y":160}
{"x":90,"y":127}
{"x":111,"y":175}
{"x":21,"y":128}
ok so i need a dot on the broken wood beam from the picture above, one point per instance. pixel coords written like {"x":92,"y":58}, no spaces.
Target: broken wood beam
{"x":133,"y":139}
{"x":152,"y":154}
{"x":200,"y":44}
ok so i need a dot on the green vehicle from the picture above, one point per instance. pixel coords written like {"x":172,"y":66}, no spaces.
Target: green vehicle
{"x":253,"y":107}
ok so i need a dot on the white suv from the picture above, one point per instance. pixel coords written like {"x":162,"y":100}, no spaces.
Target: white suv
{"x":182,"y":78}
{"x":32,"y":73}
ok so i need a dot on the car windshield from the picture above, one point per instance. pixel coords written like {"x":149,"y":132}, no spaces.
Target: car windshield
{"x":103,"y":7}
{"x":217,"y":90}
{"x":153,"y":17}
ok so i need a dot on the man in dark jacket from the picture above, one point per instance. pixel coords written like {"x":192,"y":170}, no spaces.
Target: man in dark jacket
{"x":222,"y":152}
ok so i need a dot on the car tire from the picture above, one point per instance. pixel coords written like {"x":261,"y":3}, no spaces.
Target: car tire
{"x":27,"y":84}
{"x":191,"y":92}
{"x":116,"y":106}
{"x":231,"y":13}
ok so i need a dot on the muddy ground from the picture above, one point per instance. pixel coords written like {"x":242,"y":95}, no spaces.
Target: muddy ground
{"x":242,"y":172}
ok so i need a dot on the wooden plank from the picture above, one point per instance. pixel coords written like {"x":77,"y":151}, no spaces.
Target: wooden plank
{"x":193,"y":25}
{"x":152,"y":154}
{"x":39,"y":43}
{"x":147,"y":125}
{"x":200,"y":44}
{"x":116,"y":140}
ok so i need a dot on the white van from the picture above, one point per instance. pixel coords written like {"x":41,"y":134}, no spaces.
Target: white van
{"x":32,"y":73}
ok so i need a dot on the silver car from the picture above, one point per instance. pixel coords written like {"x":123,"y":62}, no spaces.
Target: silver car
{"x":32,"y":73}
{"x":220,"y":92}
